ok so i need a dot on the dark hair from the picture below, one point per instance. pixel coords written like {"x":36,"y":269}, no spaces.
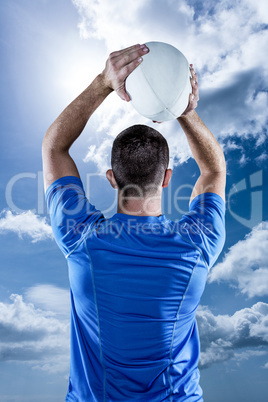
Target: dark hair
{"x":140,"y":157}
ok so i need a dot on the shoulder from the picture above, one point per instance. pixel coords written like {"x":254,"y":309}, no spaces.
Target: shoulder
{"x":204,"y":225}
{"x":71,"y":213}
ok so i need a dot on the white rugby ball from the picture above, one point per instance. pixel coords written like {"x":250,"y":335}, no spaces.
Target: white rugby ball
{"x":160,"y":86}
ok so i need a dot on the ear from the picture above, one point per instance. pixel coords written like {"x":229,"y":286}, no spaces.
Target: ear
{"x":110,"y":178}
{"x":168,"y":174}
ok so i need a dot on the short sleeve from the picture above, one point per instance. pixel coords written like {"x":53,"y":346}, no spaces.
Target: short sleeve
{"x":71,"y":214}
{"x":204,"y":225}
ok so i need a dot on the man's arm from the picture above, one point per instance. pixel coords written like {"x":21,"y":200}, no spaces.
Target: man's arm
{"x":205,"y":149}
{"x":69,"y":125}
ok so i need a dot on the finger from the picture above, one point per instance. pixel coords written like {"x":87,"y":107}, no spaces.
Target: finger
{"x":123,"y":95}
{"x":125,"y":71}
{"x":193,"y":101}
{"x":128,"y":68}
{"x":127,"y":49}
{"x":195,"y":86}
{"x":193,"y":73}
{"x":134,"y":48}
{"x":194,"y":76}
{"x":195,"y":92}
{"x":129,"y":56}
{"x":121,"y":92}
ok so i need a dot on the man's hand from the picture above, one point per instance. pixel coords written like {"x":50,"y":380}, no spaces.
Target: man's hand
{"x":118,"y":67}
{"x":194,"y":96}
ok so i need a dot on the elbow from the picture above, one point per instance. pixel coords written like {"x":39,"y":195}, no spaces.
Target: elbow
{"x":219,"y":164}
{"x":46,"y":144}
{"x":50,"y":144}
{"x":214,"y":166}
{"x":222,"y":162}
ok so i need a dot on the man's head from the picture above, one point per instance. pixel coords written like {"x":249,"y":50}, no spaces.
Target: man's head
{"x":140,"y":158}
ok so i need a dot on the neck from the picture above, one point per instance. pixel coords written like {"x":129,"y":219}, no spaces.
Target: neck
{"x":138,"y":206}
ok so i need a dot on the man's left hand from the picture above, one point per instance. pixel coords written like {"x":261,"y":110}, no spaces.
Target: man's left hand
{"x":119,"y":65}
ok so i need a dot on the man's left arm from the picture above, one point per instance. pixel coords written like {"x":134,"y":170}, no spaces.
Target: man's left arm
{"x":58,"y":139}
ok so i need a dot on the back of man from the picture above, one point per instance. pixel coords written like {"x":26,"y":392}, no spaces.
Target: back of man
{"x":135,"y":279}
{"x":136,"y":282}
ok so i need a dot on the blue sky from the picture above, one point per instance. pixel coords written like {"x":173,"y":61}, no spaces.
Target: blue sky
{"x":50,"y":51}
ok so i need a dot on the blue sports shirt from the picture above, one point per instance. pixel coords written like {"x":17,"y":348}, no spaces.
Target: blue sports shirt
{"x":135,"y":285}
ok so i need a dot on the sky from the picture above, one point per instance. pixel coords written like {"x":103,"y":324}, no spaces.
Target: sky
{"x":50,"y":52}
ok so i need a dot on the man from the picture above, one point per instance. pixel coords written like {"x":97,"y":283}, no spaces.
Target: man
{"x":135,"y":279}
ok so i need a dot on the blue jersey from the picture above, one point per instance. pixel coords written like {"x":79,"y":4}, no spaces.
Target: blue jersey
{"x":135,"y":285}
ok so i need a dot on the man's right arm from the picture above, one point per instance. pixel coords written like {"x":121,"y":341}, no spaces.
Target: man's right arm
{"x":205,"y":149}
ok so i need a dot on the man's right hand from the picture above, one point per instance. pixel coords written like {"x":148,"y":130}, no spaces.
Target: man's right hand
{"x":194,"y":96}
{"x":118,"y":67}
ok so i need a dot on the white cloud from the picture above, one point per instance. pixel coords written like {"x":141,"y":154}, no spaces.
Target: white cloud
{"x":26,"y":223}
{"x":245,"y":264}
{"x":100,"y":155}
{"x":238,"y":337}
{"x":96,"y":19}
{"x":231,"y":145}
{"x":39,"y":337}
{"x":34,"y":329}
{"x":260,"y":8}
{"x":261,"y":159}
{"x":225,"y":40}
{"x":247,"y":354}
{"x":49,"y":298}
